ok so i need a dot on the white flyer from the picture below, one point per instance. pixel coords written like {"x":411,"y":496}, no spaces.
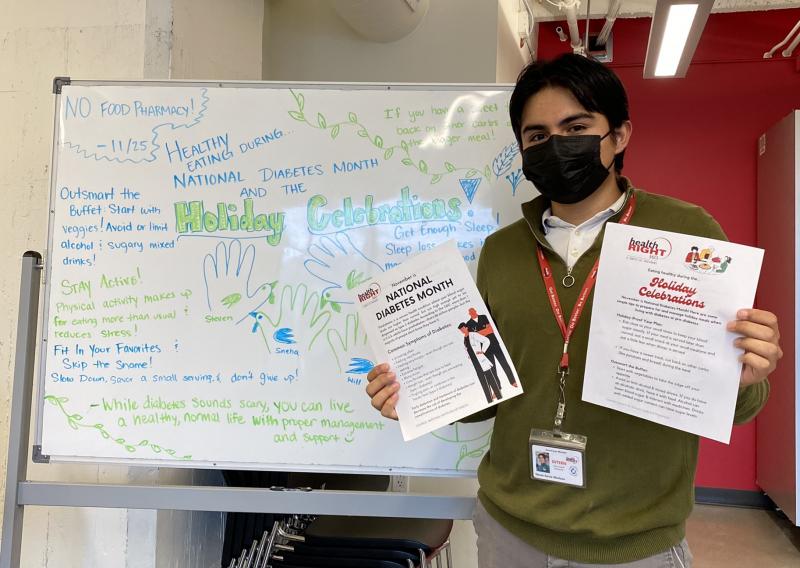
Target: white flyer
{"x":428,"y":320}
{"x":659,"y":348}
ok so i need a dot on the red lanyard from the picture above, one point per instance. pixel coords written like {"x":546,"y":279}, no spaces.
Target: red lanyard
{"x":577,"y":310}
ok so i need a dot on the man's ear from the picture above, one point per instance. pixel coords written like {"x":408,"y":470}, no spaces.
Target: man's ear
{"x":622,"y":135}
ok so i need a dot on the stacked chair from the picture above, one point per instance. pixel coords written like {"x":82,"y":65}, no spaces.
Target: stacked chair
{"x":303,"y":541}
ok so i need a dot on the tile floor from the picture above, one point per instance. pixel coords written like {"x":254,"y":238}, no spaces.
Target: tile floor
{"x":731,"y":537}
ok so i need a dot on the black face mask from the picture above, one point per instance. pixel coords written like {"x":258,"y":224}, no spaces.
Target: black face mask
{"x":566,"y":169}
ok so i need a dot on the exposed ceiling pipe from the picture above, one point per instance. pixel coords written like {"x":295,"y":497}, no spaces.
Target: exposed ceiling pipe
{"x":529,"y":35}
{"x":788,"y":51}
{"x":572,"y":22}
{"x":382,"y":20}
{"x":611,"y":16}
{"x":769,"y":54}
{"x":586,"y":35}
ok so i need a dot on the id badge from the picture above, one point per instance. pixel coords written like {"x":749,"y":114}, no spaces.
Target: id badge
{"x":558,"y":458}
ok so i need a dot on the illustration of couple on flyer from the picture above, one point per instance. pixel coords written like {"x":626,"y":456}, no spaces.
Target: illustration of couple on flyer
{"x":483,"y":349}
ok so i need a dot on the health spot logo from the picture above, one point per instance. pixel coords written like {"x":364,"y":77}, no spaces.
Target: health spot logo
{"x":370,"y":294}
{"x":656,"y":248}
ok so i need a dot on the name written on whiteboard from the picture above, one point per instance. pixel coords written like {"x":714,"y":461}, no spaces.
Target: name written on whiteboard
{"x":192,"y":217}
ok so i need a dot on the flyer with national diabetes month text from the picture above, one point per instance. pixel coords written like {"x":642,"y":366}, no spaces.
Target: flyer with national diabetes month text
{"x":428,"y":320}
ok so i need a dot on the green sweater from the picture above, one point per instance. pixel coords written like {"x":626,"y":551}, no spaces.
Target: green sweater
{"x":640,"y":475}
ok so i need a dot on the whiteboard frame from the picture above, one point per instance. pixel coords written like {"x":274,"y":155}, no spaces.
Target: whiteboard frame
{"x":21,"y":492}
{"x":46,"y":280}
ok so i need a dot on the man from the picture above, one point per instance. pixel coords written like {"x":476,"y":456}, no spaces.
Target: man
{"x":541,"y":463}
{"x":481,"y":324}
{"x":476,"y":346}
{"x":570,"y":117}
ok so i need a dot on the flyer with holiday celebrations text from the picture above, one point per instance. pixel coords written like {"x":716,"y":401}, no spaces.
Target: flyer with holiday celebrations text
{"x":659,"y":348}
{"x":427,"y":319}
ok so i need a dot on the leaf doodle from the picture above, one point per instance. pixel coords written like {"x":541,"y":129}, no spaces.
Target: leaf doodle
{"x":361,"y":130}
{"x":502,"y":162}
{"x":231,"y":299}
{"x":355,"y":278}
{"x":299,"y":98}
{"x":75,"y":422}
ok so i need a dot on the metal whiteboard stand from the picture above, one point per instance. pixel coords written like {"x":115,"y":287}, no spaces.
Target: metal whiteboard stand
{"x":21,"y":492}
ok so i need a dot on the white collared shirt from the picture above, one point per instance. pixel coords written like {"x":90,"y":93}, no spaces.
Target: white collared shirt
{"x":569,"y":241}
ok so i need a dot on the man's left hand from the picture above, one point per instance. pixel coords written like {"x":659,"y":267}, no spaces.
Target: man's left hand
{"x":760,"y":341}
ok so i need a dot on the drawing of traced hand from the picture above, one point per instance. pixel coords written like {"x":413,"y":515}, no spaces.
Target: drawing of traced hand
{"x":342,"y":341}
{"x":295,"y":318}
{"x":226,"y":272}
{"x":337,"y":262}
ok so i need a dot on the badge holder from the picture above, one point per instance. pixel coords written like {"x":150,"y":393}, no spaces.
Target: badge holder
{"x":556,"y":456}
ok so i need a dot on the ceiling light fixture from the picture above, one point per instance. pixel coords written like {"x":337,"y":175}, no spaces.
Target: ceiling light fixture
{"x":674,"y":34}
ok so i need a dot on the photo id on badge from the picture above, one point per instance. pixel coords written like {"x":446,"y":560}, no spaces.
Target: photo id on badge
{"x":558,"y":458}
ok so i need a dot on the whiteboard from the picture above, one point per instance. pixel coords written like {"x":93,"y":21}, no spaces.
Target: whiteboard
{"x":203,"y":241}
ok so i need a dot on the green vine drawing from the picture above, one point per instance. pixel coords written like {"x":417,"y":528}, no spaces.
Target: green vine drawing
{"x":75,"y":422}
{"x":403,"y":149}
{"x":464,"y":451}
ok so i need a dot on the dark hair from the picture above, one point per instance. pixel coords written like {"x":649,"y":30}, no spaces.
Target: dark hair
{"x":595,"y":86}
{"x":463,"y":325}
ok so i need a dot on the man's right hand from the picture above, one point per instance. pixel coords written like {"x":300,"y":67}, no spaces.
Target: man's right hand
{"x":382,"y":388}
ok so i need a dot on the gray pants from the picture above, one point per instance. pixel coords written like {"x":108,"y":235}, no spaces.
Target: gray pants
{"x":498,"y":548}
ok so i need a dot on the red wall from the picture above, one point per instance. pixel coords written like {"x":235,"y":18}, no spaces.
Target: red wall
{"x":696,"y":139}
